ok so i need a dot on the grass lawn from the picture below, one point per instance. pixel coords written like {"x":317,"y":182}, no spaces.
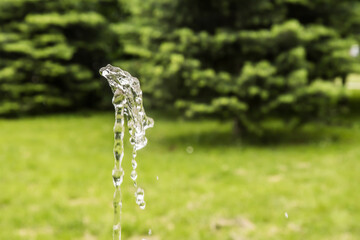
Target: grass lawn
{"x":55,"y":182}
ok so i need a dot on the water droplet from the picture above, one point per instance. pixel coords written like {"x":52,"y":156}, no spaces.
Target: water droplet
{"x":189,"y":149}
{"x":139,"y":199}
{"x":286,"y":215}
{"x":142,"y":205}
{"x":139,"y":191}
{"x":116,"y":227}
{"x":133,"y":175}
{"x":134,"y":164}
{"x":139,"y":195}
{"x":118,"y":176}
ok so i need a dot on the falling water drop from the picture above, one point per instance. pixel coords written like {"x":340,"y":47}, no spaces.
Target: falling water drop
{"x":133,"y":175}
{"x":139,"y":195}
{"x":133,"y":164}
{"x":118,"y":175}
{"x":142,"y":205}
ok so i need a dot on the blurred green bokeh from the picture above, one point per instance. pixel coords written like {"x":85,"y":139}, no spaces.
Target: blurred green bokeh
{"x":271,"y":151}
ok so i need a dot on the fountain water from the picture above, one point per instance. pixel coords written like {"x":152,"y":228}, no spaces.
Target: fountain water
{"x":128,"y":104}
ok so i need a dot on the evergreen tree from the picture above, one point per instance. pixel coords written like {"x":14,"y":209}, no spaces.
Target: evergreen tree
{"x":251,"y":61}
{"x":51,"y":52}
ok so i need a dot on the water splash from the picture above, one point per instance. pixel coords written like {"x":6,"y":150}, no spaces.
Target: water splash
{"x":128,"y":104}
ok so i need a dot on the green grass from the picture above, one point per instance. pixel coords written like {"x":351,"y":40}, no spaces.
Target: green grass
{"x":55,"y":182}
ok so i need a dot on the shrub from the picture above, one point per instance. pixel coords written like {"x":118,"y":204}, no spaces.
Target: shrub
{"x":51,"y":52}
{"x":250,"y":61}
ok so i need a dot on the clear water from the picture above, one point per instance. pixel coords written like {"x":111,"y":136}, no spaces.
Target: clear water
{"x":128,"y":104}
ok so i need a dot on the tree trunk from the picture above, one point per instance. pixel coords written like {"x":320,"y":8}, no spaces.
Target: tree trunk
{"x":343,"y":80}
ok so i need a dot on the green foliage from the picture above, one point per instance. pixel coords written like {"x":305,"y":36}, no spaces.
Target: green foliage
{"x":247,"y":60}
{"x":51,"y":52}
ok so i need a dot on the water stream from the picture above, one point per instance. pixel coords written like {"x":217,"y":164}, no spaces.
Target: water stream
{"x":128,"y":104}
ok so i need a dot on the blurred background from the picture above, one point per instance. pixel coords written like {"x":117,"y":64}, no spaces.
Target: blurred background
{"x":256,"y":109}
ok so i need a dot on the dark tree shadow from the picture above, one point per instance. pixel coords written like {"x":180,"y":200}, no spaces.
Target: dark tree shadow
{"x":307,"y":135}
